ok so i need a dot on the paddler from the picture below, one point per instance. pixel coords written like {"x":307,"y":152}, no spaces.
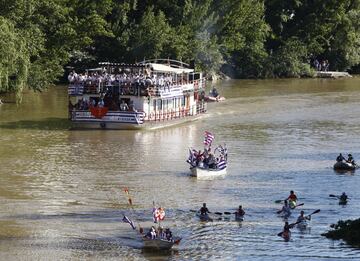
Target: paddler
{"x":343,"y":198}
{"x":286,"y":230}
{"x":292,"y":199}
{"x":204,"y":210}
{"x":239,"y":213}
{"x":302,"y":218}
{"x":285,"y":209}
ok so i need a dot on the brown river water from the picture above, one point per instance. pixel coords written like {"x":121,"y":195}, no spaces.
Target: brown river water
{"x":61,"y":191}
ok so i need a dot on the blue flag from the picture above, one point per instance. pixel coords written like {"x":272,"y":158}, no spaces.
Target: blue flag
{"x":127,"y":220}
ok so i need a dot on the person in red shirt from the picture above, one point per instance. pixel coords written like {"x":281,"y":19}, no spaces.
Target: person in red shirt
{"x":292,"y":196}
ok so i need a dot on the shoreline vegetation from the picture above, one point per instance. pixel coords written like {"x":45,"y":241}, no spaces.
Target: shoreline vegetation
{"x":348,"y":230}
{"x":43,"y":40}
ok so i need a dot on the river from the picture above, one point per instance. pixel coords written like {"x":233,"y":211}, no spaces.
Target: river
{"x":61,"y":191}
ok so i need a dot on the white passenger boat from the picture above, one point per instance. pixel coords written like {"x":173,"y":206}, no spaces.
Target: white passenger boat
{"x":150,"y":95}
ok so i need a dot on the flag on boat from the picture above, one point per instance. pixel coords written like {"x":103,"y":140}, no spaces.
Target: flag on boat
{"x":221,"y":164}
{"x":208,"y":139}
{"x":158,"y":214}
{"x":127,"y":220}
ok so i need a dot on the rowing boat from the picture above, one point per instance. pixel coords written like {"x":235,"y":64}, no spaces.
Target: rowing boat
{"x":160,"y":243}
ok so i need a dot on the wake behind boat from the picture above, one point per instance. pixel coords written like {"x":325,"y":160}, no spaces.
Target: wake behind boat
{"x":207,"y":163}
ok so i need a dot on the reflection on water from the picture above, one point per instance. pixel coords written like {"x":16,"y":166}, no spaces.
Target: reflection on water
{"x":61,"y":191}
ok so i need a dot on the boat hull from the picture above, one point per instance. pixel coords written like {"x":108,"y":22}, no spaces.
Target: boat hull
{"x":214,"y":99}
{"x":207,"y":173}
{"x":160,"y":244}
{"x":344,"y":166}
{"x":104,"y":124}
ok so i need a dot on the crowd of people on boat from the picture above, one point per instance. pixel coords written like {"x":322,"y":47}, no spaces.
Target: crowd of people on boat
{"x":350,"y":159}
{"x":159,"y":233}
{"x":122,"y":78}
{"x":207,"y":160}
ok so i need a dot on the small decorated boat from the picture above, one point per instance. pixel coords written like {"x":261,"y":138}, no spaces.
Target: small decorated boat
{"x":147,"y":95}
{"x":208,"y":164}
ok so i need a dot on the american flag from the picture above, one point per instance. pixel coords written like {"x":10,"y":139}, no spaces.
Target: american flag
{"x":208,"y":139}
{"x":158,"y":214}
{"x":127,"y":220}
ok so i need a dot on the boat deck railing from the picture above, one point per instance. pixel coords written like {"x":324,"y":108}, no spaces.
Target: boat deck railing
{"x":136,"y":89}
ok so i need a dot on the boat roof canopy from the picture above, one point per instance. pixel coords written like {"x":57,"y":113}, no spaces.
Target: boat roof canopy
{"x":157,"y":67}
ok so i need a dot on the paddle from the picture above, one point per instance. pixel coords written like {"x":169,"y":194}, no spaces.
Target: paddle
{"x":334,"y":196}
{"x":316,"y":211}
{"x":196,"y":211}
{"x":279,"y":201}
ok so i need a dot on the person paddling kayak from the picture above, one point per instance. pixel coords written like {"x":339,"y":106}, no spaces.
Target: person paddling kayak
{"x":239,"y":214}
{"x":285,"y":210}
{"x":286,"y":233}
{"x":343,"y":199}
{"x":292,"y":198}
{"x":301,"y":220}
{"x":204,"y":210}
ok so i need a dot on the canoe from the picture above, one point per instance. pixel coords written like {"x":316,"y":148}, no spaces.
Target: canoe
{"x":292,"y":204}
{"x":160,"y":244}
{"x":344,"y":166}
{"x":206,"y":172}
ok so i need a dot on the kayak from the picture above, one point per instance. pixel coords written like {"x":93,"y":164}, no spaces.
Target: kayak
{"x":204,"y":217}
{"x":239,"y":217}
{"x":292,"y":204}
{"x":302,"y":225}
{"x":342,"y":202}
{"x":344,"y":166}
{"x":286,"y":235}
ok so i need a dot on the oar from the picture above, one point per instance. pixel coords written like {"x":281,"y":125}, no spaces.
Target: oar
{"x":316,"y":211}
